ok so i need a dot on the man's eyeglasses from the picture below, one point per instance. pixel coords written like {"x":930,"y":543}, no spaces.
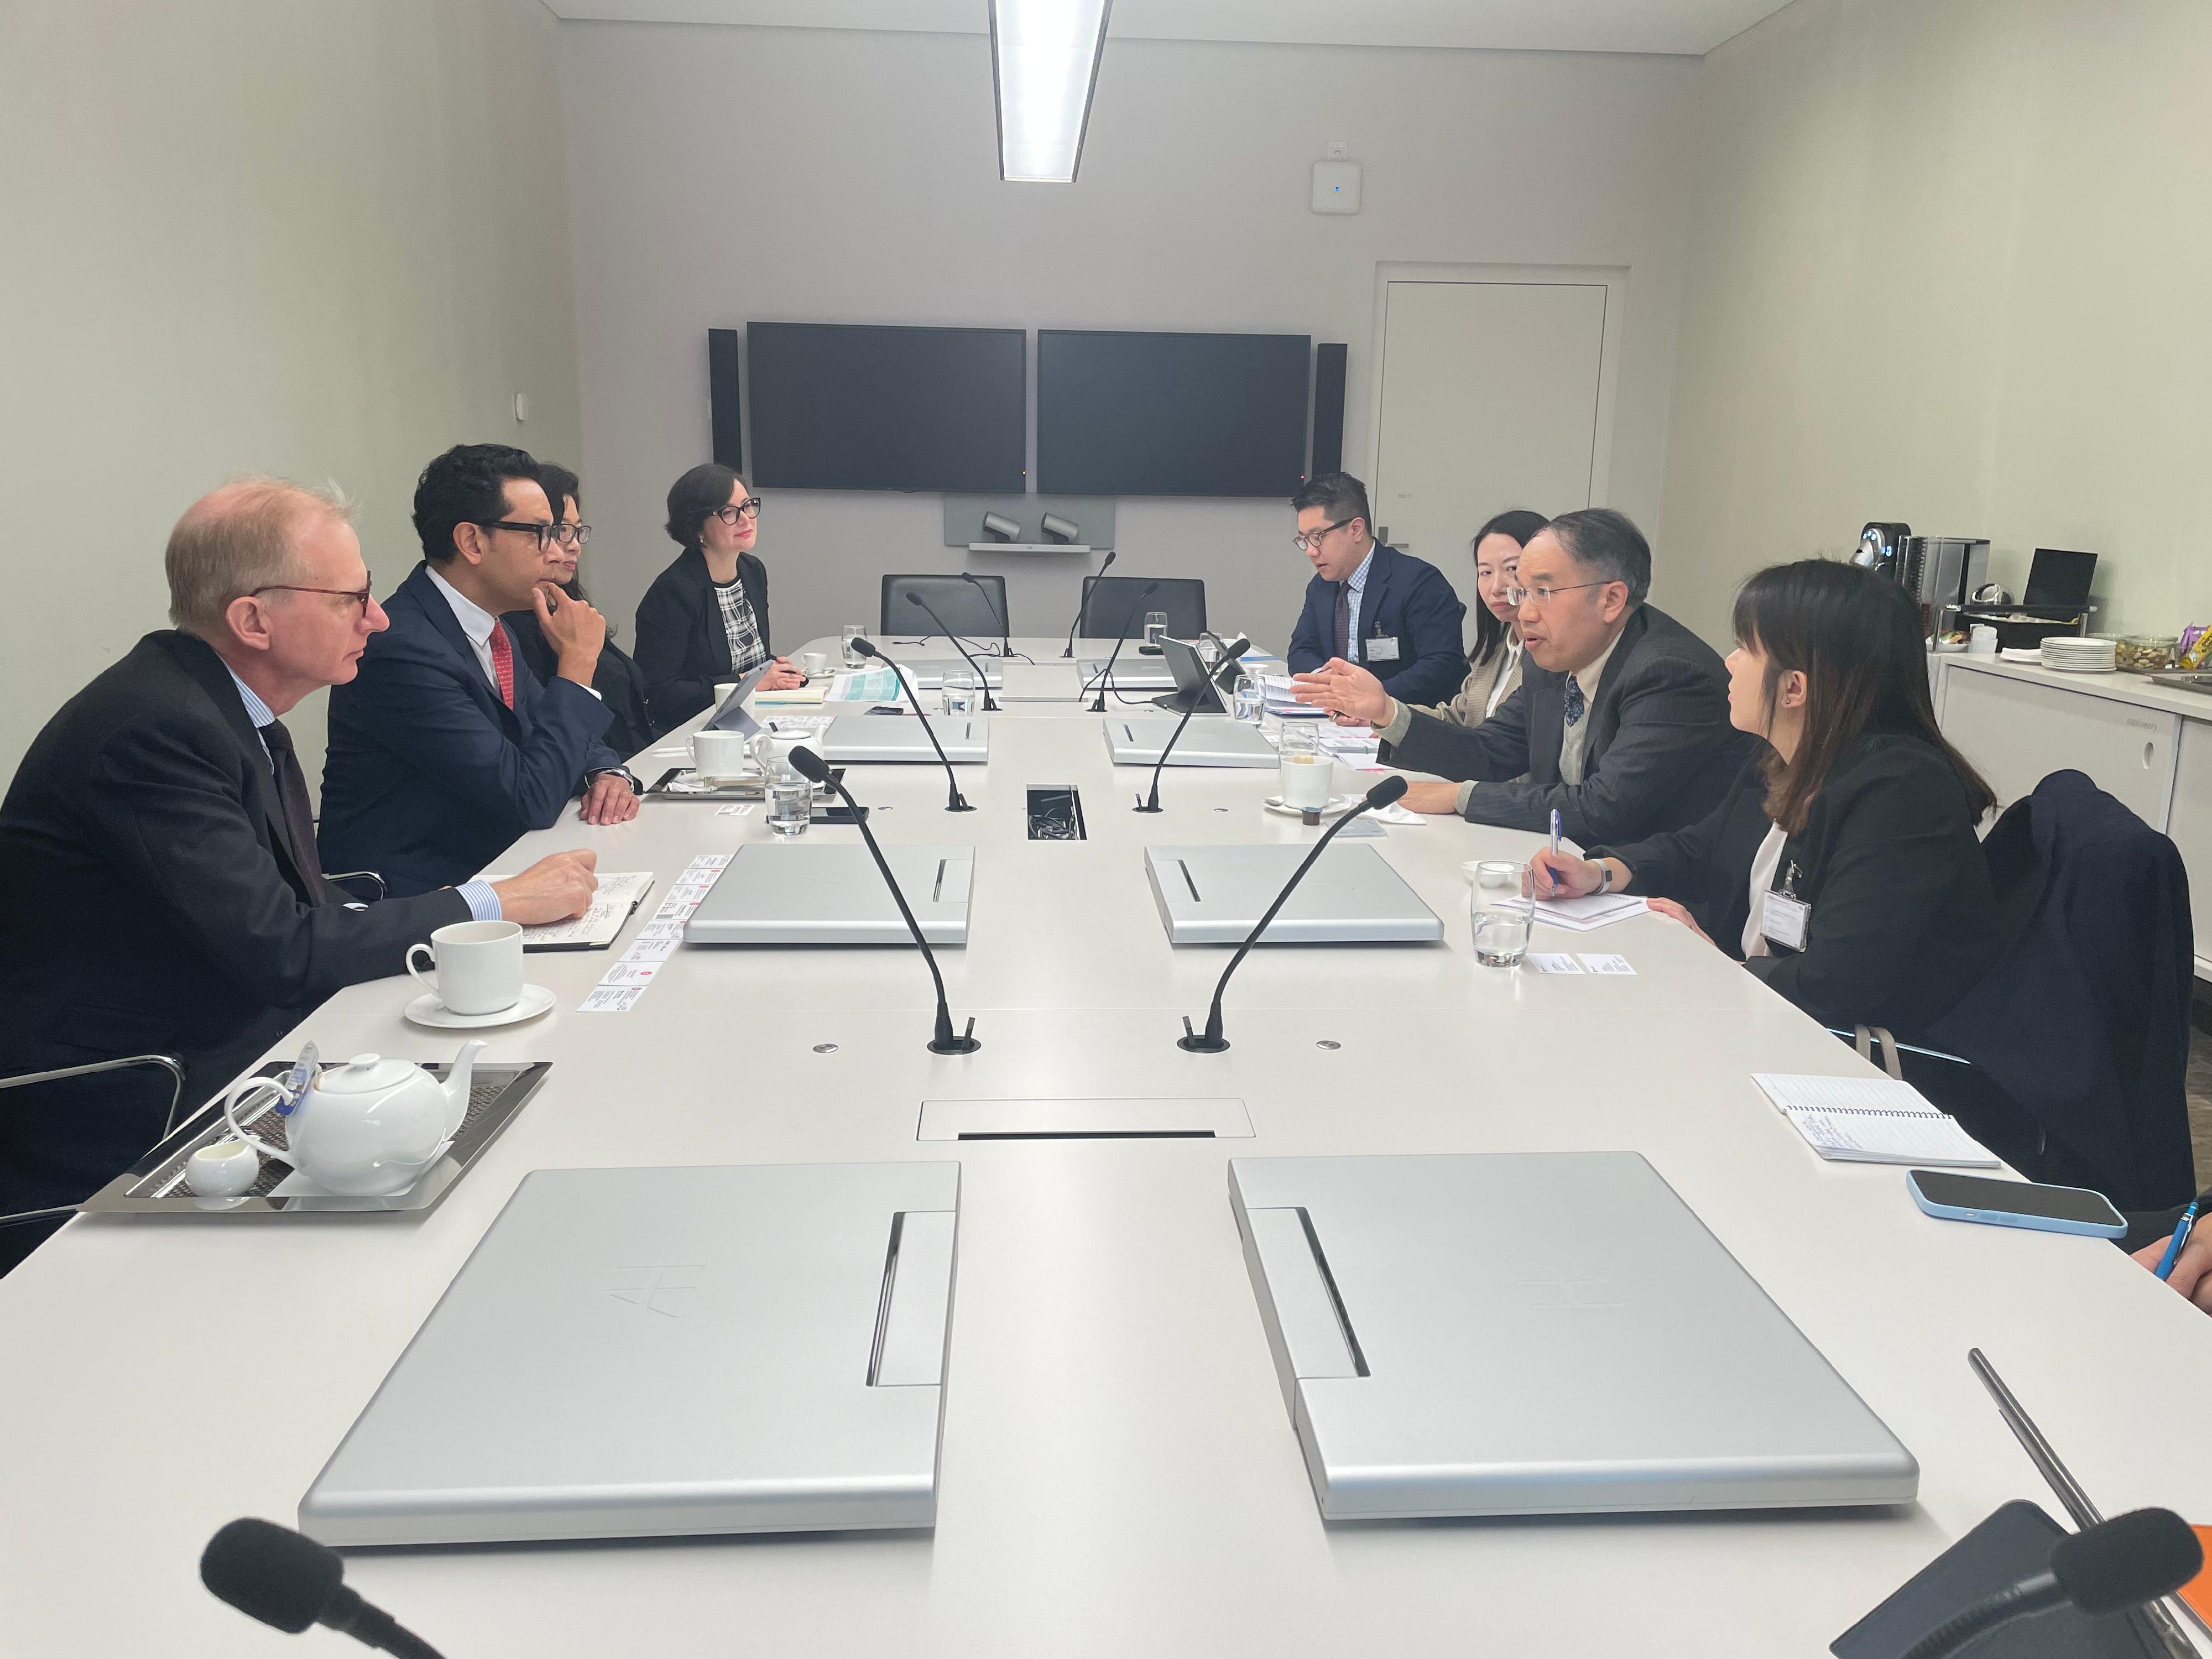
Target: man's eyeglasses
{"x":545,"y":533}
{"x":360,"y":596}
{"x":748,"y":508}
{"x":1309,"y":539}
{"x":1541,"y":594}
{"x":572,"y":535}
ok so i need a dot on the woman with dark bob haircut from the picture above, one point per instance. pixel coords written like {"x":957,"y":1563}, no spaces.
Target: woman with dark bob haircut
{"x":705,"y":618}
{"x":1494,"y":667}
{"x":1843,"y":869}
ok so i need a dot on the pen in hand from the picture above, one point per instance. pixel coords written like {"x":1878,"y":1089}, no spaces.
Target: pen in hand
{"x":2181,"y":1231}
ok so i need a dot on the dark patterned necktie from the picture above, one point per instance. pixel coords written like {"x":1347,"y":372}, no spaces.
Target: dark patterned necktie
{"x":1576,"y":706}
{"x":292,"y":801}
{"x":1344,"y":620}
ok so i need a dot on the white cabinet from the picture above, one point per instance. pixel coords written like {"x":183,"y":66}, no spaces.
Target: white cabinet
{"x":2191,"y":826}
{"x":2017,"y":732}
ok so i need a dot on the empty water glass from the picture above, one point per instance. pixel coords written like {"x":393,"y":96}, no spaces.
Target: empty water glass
{"x":1156,"y":623}
{"x":960,"y":694}
{"x":1501,"y":932}
{"x":847,"y":634}
{"x":790,"y":805}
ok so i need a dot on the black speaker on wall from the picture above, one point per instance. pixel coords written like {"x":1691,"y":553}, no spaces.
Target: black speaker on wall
{"x":1328,"y":409}
{"x":722,"y":353}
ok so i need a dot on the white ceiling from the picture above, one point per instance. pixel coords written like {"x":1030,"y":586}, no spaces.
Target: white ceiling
{"x":1694,"y":26}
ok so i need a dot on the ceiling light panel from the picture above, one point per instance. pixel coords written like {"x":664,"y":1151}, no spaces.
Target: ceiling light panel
{"x":1044,"y":65}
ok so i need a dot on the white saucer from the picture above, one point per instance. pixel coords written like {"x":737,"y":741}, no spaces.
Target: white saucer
{"x":427,"y":1010}
{"x":1337,"y":806}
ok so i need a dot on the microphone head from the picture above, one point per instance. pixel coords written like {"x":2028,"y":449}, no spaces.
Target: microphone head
{"x":809,"y":765}
{"x":2126,"y":1561}
{"x":866,"y":647}
{"x":911,"y":597}
{"x":1387,"y":791}
{"x":1151,"y":588}
{"x":275,"y":1575}
{"x":1112,"y":554}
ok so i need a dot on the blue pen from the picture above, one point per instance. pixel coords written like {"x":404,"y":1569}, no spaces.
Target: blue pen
{"x":2173,"y":1245}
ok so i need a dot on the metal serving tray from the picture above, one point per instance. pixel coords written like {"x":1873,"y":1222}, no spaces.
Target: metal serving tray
{"x":682,"y":783}
{"x":155,"y":1184}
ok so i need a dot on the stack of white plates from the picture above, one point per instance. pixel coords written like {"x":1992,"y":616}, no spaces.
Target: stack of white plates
{"x":2079,"y":656}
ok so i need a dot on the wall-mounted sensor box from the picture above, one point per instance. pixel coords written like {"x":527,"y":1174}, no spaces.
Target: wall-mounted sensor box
{"x":1336,"y":187}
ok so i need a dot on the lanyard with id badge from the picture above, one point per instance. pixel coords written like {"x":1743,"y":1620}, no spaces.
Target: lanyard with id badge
{"x":1782,"y":916}
{"x":1379,"y":647}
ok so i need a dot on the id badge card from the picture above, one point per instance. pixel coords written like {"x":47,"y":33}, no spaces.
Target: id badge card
{"x":1383,"y":648}
{"x":1782,"y":920}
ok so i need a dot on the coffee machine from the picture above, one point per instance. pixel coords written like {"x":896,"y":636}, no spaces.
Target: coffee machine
{"x":1942,"y":572}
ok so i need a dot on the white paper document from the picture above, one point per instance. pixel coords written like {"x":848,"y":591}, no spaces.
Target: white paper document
{"x":1583,"y":914}
{"x":1548,"y":962}
{"x":1871,"y":1120}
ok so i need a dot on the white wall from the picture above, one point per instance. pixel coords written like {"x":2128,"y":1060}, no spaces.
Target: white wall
{"x":321,"y":239}
{"x":1949,"y":267}
{"x":723,"y":174}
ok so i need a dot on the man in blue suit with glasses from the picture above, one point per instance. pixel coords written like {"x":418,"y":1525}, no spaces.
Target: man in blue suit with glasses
{"x":1387,"y":611}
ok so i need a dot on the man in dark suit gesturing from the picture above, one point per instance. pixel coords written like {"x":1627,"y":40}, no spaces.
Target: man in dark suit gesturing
{"x":159,"y":890}
{"x":1371,"y":604}
{"x":1620,"y":722}
{"x":446,"y":747}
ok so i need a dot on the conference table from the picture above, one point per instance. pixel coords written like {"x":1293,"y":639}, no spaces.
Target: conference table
{"x":1118,"y":1473}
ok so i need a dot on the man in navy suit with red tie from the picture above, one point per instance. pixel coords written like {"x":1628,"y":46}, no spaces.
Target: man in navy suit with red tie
{"x":445,"y":746}
{"x":1390,"y":613}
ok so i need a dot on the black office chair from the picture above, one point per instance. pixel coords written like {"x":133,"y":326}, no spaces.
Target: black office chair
{"x":51,"y":1172}
{"x":975,"y":607}
{"x":1113,"y":610}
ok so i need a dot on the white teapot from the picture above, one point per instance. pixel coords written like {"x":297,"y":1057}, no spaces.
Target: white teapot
{"x":367,"y":1128}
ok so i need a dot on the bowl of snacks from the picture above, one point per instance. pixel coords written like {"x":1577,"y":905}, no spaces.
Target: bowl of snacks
{"x":2144,"y":654}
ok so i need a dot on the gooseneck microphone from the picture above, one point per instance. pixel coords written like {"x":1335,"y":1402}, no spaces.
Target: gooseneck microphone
{"x":913,"y":597}
{"x":286,"y":1579}
{"x":1198,"y":699}
{"x":953,"y":802}
{"x":2108,"y":1568}
{"x":812,"y":766}
{"x":1005,"y":626}
{"x":1210,"y":1042}
{"x":1110,"y":557}
{"x":1115,"y":656}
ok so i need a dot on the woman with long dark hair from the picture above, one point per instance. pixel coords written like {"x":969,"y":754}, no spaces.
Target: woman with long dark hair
{"x":1494,"y":667}
{"x":705,"y":618}
{"x":1843,"y":869}
{"x":616,"y":680}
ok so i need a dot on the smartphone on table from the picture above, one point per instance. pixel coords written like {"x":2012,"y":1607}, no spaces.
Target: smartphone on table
{"x":2015,"y":1204}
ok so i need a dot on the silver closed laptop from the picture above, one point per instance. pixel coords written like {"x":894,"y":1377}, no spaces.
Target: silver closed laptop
{"x":831,"y":893}
{"x":1217,"y":895}
{"x":1132,"y":672}
{"x":900,"y":738}
{"x":927,"y":673}
{"x":653,"y":1352}
{"x":1208,"y":740}
{"x":1543,"y":1334}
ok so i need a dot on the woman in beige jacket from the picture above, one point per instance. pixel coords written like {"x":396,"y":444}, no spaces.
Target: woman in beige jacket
{"x":1494,"y":666}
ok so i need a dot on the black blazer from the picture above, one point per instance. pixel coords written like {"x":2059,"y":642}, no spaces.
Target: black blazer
{"x":429,"y":775}
{"x":149,"y":901}
{"x":1660,"y":754}
{"x":682,"y":649}
{"x":616,"y":680}
{"x":1405,"y":599}
{"x":1904,"y":921}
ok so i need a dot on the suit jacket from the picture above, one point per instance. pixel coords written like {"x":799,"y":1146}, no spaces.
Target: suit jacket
{"x":682,"y":649}
{"x":428,"y":775}
{"x":150,"y":901}
{"x":616,"y":680}
{"x":1660,"y":754}
{"x":1903,"y":919}
{"x":1406,"y":600}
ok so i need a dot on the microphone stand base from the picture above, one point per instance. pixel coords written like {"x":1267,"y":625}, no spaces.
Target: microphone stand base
{"x":958,"y":804}
{"x":1141,"y":807}
{"x":959,"y":1045}
{"x":1197,"y":1044}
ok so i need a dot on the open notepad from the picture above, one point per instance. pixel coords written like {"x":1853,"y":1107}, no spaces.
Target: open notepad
{"x":1871,"y":1120}
{"x":617,"y":896}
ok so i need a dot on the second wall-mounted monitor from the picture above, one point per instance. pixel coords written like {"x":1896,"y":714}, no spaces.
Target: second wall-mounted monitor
{"x":1135,"y":414}
{"x":840,"y":406}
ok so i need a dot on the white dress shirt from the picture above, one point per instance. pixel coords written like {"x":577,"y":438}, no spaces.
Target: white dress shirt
{"x":477,"y":623}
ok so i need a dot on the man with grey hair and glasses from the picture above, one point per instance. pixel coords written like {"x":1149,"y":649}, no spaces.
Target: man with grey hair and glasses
{"x":159,"y":890}
{"x":1620,"y":723}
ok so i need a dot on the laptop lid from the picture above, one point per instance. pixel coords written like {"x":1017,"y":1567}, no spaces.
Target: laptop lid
{"x":732,"y":715}
{"x":1193,"y":687}
{"x":662,"y":1352}
{"x":895,"y":739}
{"x":1217,"y":895}
{"x":1131,"y":673}
{"x":2059,"y":578}
{"x":1542,"y":1334}
{"x":831,"y":893}
{"x":1208,"y":740}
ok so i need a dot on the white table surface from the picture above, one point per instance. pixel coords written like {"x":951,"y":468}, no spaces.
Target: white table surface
{"x":1118,"y":1474}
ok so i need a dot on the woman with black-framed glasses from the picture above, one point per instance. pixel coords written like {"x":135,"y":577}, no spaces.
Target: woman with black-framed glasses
{"x":705,"y":618}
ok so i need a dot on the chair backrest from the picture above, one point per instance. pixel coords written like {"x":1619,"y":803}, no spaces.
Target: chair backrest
{"x":1112,"y":610}
{"x":2085,"y":1020}
{"x":975,"y":605}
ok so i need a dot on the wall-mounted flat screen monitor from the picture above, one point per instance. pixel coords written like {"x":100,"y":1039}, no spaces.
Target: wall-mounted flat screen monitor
{"x":840,"y":406}
{"x":1132,"y":414}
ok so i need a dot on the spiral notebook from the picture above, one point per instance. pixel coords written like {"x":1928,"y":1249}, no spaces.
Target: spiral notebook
{"x":1871,"y":1120}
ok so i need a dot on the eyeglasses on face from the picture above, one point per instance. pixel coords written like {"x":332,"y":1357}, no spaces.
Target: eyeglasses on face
{"x":748,"y":508}
{"x":572,"y":535}
{"x":1309,"y":539}
{"x":1543,"y":592}
{"x":360,"y":596}
{"x":545,"y":533}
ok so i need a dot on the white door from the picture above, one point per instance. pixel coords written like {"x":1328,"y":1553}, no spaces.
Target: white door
{"x":1490,"y":400}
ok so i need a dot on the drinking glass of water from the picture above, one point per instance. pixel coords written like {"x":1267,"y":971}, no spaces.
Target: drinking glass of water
{"x":847,"y":634}
{"x":1501,"y":930}
{"x":1250,"y":696}
{"x":1156,"y":623}
{"x":960,"y":694}
{"x":790,"y":805}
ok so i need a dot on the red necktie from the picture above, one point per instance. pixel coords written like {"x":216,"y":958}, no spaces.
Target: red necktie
{"x":502,"y":663}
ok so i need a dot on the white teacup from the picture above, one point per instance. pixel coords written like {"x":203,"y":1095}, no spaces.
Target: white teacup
{"x":721,"y":754}
{"x":479,"y":966}
{"x":814,"y":664}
